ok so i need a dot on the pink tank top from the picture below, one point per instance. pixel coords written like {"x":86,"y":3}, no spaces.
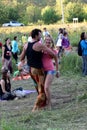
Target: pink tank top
{"x":47,"y":61}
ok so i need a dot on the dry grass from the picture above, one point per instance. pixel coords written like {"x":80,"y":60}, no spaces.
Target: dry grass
{"x":27,"y":29}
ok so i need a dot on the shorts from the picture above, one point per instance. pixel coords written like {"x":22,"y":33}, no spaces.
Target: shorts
{"x":52,"y":72}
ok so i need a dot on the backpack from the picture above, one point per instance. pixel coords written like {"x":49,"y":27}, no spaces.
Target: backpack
{"x":79,"y":49}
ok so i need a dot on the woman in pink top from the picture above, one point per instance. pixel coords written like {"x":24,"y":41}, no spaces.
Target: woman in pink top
{"x":49,"y":68}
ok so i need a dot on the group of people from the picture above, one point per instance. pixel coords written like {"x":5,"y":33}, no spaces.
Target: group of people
{"x":63,"y":43}
{"x":39,"y":58}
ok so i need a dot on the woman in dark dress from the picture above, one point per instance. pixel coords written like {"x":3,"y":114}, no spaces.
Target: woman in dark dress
{"x":5,"y":86}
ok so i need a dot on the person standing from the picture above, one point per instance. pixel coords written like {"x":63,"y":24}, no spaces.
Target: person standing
{"x":66,"y":43}
{"x":24,"y":39}
{"x":49,"y":68}
{"x":6,"y":55}
{"x":15,"y":49}
{"x":83,"y":43}
{"x":33,"y":51}
{"x":45,"y":32}
{"x":29,"y":37}
{"x":59,"y":44}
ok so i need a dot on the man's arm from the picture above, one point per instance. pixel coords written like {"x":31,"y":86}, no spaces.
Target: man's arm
{"x":43,"y":48}
{"x":22,"y":56}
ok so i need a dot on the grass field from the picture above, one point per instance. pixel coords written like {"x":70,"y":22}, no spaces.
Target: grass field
{"x":69,"y":107}
{"x":69,"y":103}
{"x":74,"y":31}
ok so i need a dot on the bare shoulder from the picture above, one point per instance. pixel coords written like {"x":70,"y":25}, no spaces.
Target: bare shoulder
{"x":3,"y":47}
{"x":38,"y":46}
{"x":2,"y":81}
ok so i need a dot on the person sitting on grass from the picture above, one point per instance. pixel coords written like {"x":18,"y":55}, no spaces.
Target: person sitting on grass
{"x":23,"y":69}
{"x":5,"y":86}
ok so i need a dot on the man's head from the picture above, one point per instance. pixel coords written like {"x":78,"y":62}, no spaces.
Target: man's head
{"x":36,"y":34}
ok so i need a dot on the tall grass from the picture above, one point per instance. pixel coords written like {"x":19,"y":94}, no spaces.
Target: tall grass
{"x":71,"y":63}
{"x":5,"y":125}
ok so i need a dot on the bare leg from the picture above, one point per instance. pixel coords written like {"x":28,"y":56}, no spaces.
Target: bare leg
{"x":48,"y":81}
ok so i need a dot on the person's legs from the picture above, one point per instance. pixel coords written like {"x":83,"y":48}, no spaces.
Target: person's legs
{"x":38,"y":76}
{"x":10,"y":66}
{"x":15,"y":56}
{"x":48,"y":81}
{"x":83,"y":64}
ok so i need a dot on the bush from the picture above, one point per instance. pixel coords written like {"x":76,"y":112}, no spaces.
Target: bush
{"x":71,"y":63}
{"x":74,"y":10}
{"x":14,"y":65}
{"x":74,"y":37}
{"x":49,"y":15}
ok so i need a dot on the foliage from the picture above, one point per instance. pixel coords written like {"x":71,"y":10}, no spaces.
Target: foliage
{"x":74,"y":10}
{"x":82,"y":97}
{"x":79,"y":1}
{"x":13,"y":14}
{"x":74,"y":36}
{"x":58,"y":8}
{"x":11,"y":126}
{"x":33,"y":14}
{"x":49,"y":15}
{"x":71,"y":63}
{"x":29,"y":11}
{"x":3,"y":14}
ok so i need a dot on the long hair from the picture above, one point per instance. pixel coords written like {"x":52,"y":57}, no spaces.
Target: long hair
{"x":6,"y":40}
{"x":4,"y":72}
{"x":52,"y":41}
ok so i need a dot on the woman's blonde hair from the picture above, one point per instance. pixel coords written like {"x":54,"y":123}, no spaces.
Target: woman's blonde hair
{"x":52,"y":41}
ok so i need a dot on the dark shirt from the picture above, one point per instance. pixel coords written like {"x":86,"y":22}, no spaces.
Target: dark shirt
{"x":34,"y":58}
{"x":7,"y":87}
{"x":6,"y":52}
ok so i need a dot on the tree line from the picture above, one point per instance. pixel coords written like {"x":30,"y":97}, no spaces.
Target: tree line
{"x":42,"y":12}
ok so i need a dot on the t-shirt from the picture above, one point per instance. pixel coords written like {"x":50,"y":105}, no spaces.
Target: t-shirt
{"x":47,"y":61}
{"x":24,"y":39}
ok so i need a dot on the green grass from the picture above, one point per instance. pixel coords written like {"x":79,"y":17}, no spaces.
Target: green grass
{"x":69,"y":97}
{"x":71,"y":63}
{"x":67,"y":112}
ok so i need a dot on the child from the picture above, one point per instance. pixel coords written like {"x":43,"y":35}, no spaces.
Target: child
{"x":23,"y":69}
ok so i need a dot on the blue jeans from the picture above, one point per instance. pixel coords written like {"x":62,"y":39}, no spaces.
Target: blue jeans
{"x":84,"y":65}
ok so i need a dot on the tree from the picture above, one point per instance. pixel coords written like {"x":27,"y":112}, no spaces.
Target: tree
{"x":74,"y":10}
{"x":3,"y":14}
{"x":33,"y":14}
{"x":75,"y":1}
{"x":49,"y":15}
{"x":13,"y":14}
